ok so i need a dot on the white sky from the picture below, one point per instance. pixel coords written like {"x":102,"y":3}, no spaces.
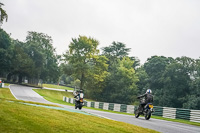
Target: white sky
{"x":149,"y":27}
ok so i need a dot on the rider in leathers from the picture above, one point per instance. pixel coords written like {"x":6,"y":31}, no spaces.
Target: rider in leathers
{"x":148,"y":99}
{"x":77,"y":95}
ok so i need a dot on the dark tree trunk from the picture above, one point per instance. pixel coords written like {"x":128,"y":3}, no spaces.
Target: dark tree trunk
{"x":82,"y":80}
{"x":20,"y":79}
{"x":9,"y":77}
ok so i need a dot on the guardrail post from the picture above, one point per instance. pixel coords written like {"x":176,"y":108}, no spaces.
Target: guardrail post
{"x":195,"y":115}
{"x":105,"y":106}
{"x":96,"y":105}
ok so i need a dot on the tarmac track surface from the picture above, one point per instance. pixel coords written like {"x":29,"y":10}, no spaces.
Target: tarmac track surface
{"x":27,"y":94}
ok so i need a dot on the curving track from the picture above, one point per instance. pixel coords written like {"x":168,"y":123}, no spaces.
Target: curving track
{"x":27,"y":94}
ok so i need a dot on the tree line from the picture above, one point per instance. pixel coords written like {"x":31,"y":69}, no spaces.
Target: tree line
{"x":33,"y":59}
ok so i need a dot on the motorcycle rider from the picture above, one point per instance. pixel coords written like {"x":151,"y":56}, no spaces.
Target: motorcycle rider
{"x":78,"y":95}
{"x":148,"y":98}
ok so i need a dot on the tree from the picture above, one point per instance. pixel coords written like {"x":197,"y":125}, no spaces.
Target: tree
{"x":176,"y":83}
{"x":121,"y":83}
{"x":22,"y":64}
{"x":3,"y":14}
{"x":143,"y":83}
{"x":40,"y":49}
{"x":155,"y":67}
{"x":193,"y":98}
{"x":5,"y":43}
{"x":84,"y":61}
{"x":115,"y":51}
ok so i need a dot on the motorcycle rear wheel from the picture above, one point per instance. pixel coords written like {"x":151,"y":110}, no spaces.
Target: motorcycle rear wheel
{"x":80,"y":106}
{"x":148,"y":115}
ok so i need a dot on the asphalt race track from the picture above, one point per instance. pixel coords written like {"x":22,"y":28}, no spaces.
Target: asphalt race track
{"x":27,"y":94}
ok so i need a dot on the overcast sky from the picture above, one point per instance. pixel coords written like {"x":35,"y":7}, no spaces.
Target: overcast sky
{"x":149,"y":27}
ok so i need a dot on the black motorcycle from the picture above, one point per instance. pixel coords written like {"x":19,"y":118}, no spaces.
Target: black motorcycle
{"x":146,"y":111}
{"x":79,"y":102}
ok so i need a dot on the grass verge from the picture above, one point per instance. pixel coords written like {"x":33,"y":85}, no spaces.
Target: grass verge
{"x":50,"y":120}
{"x":17,"y":117}
{"x":178,"y":120}
{"x":54,"y":96}
{"x":57,"y":87}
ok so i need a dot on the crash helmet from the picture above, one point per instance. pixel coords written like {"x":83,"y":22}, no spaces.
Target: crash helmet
{"x":149,"y":91}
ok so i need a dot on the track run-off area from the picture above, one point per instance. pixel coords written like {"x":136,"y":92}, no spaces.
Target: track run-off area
{"x":27,"y":94}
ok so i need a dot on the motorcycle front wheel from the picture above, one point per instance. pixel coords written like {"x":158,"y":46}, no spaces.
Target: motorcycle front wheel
{"x":148,"y":115}
{"x":137,"y":114}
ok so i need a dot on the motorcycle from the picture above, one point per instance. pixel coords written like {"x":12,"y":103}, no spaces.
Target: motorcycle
{"x":79,"y":102}
{"x":146,"y":111}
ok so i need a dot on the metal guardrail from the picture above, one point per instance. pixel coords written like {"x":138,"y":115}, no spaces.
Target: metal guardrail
{"x":166,"y":112}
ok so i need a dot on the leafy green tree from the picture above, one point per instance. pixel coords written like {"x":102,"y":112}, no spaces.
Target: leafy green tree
{"x":176,"y":79}
{"x":22,"y":64}
{"x":121,"y":83}
{"x":83,"y":59}
{"x":115,"y":51}
{"x":98,"y":72}
{"x":41,"y":51}
{"x":193,"y":98}
{"x":136,"y":63}
{"x":155,"y":67}
{"x":5,"y":43}
{"x":143,"y":83}
{"x":3,"y":14}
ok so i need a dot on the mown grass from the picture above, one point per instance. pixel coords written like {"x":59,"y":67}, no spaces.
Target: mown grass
{"x":54,"y":96}
{"x":57,"y":97}
{"x":6,"y":94}
{"x":17,"y":117}
{"x":6,"y":84}
{"x":57,"y":87}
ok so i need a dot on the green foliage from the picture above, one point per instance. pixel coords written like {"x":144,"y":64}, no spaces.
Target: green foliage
{"x":175,"y":82}
{"x":3,"y":13}
{"x":34,"y":59}
{"x":116,"y":50}
{"x":121,"y":83}
{"x":22,"y":64}
{"x":143,"y":83}
{"x":41,"y":51}
{"x":85,"y":63}
{"x":5,"y":43}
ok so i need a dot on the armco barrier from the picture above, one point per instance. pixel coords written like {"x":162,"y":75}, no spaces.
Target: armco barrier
{"x":195,"y":115}
{"x":166,"y":112}
{"x":169,"y":112}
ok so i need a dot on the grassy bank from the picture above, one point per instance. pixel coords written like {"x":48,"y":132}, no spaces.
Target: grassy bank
{"x":6,"y":94}
{"x":17,"y":117}
{"x":54,"y":96}
{"x":57,"y":87}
